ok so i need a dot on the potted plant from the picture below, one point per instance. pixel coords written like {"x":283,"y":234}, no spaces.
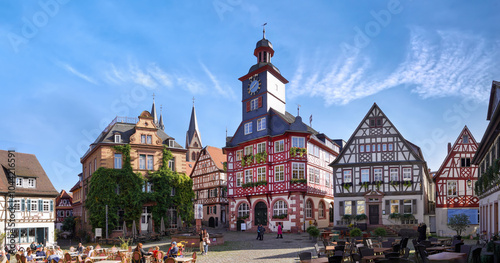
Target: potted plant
{"x":355,"y":232}
{"x":347,"y":218}
{"x":313,"y":232}
{"x":380,"y":232}
{"x":360,"y":217}
{"x":459,"y":223}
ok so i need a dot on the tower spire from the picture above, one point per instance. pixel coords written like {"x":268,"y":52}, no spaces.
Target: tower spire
{"x":193,"y":137}
{"x":160,"y":124}
{"x":153,"y":111}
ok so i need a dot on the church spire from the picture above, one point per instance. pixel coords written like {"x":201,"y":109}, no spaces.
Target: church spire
{"x":160,"y":124}
{"x":153,"y":111}
{"x":193,"y":137}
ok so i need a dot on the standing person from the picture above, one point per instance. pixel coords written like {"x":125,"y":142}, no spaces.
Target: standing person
{"x":258,"y":231}
{"x":280,"y":231}
{"x":261,"y":231}
{"x":206,"y":240}
{"x":202,"y":246}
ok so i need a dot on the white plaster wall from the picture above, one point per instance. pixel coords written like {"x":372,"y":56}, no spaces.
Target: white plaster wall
{"x":442,"y":227}
{"x":277,"y":88}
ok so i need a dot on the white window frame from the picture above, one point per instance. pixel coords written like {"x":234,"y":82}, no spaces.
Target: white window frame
{"x":31,"y":182}
{"x":243,"y":210}
{"x":298,"y":170}
{"x":360,"y":207}
{"x":450,"y":185}
{"x":279,"y":173}
{"x":248,"y":150}
{"x":143,"y":138}
{"x":384,"y":147}
{"x":254,"y":104}
{"x":407,"y":203}
{"x":150,"y":163}
{"x":19,"y":182}
{"x":310,"y":175}
{"x":46,"y":206}
{"x":248,"y":176}
{"x":321,"y":209}
{"x":327,"y":179}
{"x":407,"y":173}
{"x":394,"y":174}
{"x":118,"y":160}
{"x":118,"y":138}
{"x":239,"y":179}
{"x":298,"y":142}
{"x":261,"y":147}
{"x":239,"y":153}
{"x":248,"y":128}
{"x":347,"y":176}
{"x":390,"y":147}
{"x":365,"y":175}
{"x":317,"y":176}
{"x":280,"y":208}
{"x":279,"y":146}
{"x":34,"y":205}
{"x":367,"y":148}
{"x":378,"y":174}
{"x":347,"y":207}
{"x":149,"y":139}
{"x":362,"y":148}
{"x":394,"y":203}
{"x":171,"y":143}
{"x":261,"y":174}
{"x":142,"y":161}
{"x":309,"y":208}
{"x":261,"y":124}
{"x":171,"y":164}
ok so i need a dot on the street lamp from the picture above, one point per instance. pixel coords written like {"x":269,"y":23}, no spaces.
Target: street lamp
{"x":469,"y":183}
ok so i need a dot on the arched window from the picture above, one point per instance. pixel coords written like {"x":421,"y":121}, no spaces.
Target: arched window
{"x":243,"y":210}
{"x":321,"y":210}
{"x":193,"y":156}
{"x":195,"y":144}
{"x":280,"y":208}
{"x":309,"y":209}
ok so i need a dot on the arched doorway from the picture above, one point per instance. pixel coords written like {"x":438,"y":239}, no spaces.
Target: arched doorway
{"x":260,"y":214}
{"x":211,"y":222}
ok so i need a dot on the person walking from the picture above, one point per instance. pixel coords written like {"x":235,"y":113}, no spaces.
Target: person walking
{"x":202,"y":246}
{"x":261,"y":231}
{"x":258,"y":232}
{"x":280,"y":231}
{"x":206,"y":239}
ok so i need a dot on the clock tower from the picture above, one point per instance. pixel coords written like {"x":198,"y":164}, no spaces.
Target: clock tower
{"x":263,"y":87}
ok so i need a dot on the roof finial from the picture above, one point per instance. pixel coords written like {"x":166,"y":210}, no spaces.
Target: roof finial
{"x":298,"y":109}
{"x":264,"y":30}
{"x":153,"y":96}
{"x":193,"y":101}
{"x":161,"y":108}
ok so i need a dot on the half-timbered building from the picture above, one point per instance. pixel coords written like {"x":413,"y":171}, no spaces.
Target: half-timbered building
{"x":64,"y":208}
{"x":33,"y":201}
{"x":379,"y":173}
{"x":454,"y":185}
{"x":277,"y":166}
{"x":210,"y":186}
{"x":487,"y":158}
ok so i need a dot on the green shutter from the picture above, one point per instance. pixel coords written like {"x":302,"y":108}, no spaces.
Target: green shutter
{"x":40,"y":205}
{"x":22,"y":205}
{"x":28,"y":206}
{"x":51,"y":205}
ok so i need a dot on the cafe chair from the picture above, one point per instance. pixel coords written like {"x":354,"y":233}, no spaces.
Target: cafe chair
{"x":136,"y":257}
{"x":335,"y":259}
{"x":170,"y":260}
{"x":356,"y":258}
{"x":465,"y":249}
{"x":386,"y":244}
{"x":194,"y":257}
{"x":304,"y":256}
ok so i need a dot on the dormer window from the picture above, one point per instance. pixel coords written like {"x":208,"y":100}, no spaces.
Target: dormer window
{"x":118,"y":138}
{"x":31,"y":182}
{"x":171,"y":143}
{"x":19,"y":182}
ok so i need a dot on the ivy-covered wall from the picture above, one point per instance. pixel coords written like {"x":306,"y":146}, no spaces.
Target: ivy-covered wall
{"x":122,"y":189}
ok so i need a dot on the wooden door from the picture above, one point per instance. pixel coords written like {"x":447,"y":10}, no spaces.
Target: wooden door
{"x":374,"y":214}
{"x":260,"y":214}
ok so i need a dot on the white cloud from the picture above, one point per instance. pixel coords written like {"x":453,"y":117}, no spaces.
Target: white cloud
{"x":223,"y":90}
{"x":443,"y":63}
{"x":77,"y":73}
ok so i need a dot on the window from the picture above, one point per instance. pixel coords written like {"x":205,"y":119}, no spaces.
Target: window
{"x":394,"y":174}
{"x":367,"y":147}
{"x":150,"y":139}
{"x":19,"y":182}
{"x":238,"y":155}
{"x":261,"y":124}
{"x":243,"y":210}
{"x":248,"y":176}
{"x":378,"y":147}
{"x":316,"y":176}
{"x":16,"y":203}
{"x":149,"y":187}
{"x":280,"y":208}
{"x":452,"y":188}
{"x":279,"y":173}
{"x":118,"y":138}
{"x":261,"y":147}
{"x":248,"y":150}
{"x":171,"y":143}
{"x":327,"y":179}
{"x":348,"y":208}
{"x":142,"y":161}
{"x":375,"y":122}
{"x":365,"y":175}
{"x":321,"y":210}
{"x":150,"y":162}
{"x":143,"y":138}
{"x":406,"y":174}
{"x":34,"y":205}
{"x":248,"y":128}
{"x":254,"y":104}
{"x":171,"y":164}
{"x":261,"y":174}
{"x":347,"y":176}
{"x":360,"y":207}
{"x":46,"y":206}
{"x":309,"y":209}
{"x":361,"y":148}
{"x":465,"y":139}
{"x":465,"y":162}
{"x":118,"y":160}
{"x":239,"y":177}
{"x":298,"y":170}
{"x":298,"y":142}
{"x":31,"y":182}
{"x":377,"y":174}
{"x":389,"y":146}
{"x":279,"y":146}
{"x":394,"y":206}
{"x":407,"y":206}
{"x":311,"y":175}
{"x":172,"y":191}
{"x":384,"y":147}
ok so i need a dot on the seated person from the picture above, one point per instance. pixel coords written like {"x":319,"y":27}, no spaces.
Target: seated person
{"x":54,"y":256}
{"x":155,"y":252}
{"x":173,"y":251}
{"x":79,"y":249}
{"x":29,"y":257}
{"x":40,"y":252}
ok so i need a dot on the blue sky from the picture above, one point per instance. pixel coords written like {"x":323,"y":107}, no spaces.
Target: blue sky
{"x":69,"y":67}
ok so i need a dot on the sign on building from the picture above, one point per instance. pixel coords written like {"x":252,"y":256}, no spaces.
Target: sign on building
{"x":98,"y":232}
{"x":198,"y":211}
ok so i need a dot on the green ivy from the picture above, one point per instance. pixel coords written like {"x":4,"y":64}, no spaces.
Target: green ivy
{"x":294,"y":151}
{"x":252,"y":184}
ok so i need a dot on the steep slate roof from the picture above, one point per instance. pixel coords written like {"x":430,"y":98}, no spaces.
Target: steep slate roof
{"x":193,"y":127}
{"x":491,"y":132}
{"x":27,"y":165}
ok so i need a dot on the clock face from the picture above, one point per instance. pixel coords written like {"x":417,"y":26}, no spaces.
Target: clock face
{"x":253,"y":85}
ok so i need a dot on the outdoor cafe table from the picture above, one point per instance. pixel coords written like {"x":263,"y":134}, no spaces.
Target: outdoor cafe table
{"x":381,"y":249}
{"x":183,"y":259}
{"x":437,"y":249}
{"x":448,"y":257}
{"x":315,"y":260}
{"x":368,"y":258}
{"x":98,"y":258}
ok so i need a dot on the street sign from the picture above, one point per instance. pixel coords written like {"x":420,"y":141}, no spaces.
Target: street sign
{"x":98,"y":232}
{"x":198,"y":211}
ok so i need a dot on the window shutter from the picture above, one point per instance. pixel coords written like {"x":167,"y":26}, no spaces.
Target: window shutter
{"x":414,"y":208}
{"x":401,"y":206}
{"x":354,"y":208}
{"x":40,"y":205}
{"x":387,"y":207}
{"x":208,"y":210}
{"x":51,"y":205}
{"x":260,"y":102}
{"x":248,"y":106}
{"x":215,"y":209}
{"x":22,"y":205}
{"x":341,"y":208}
{"x":28,"y":208}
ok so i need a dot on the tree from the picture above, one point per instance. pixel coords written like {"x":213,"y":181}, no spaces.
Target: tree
{"x":459,"y":223}
{"x":69,"y":224}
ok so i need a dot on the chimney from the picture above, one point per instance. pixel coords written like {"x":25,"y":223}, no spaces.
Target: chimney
{"x":449,"y":147}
